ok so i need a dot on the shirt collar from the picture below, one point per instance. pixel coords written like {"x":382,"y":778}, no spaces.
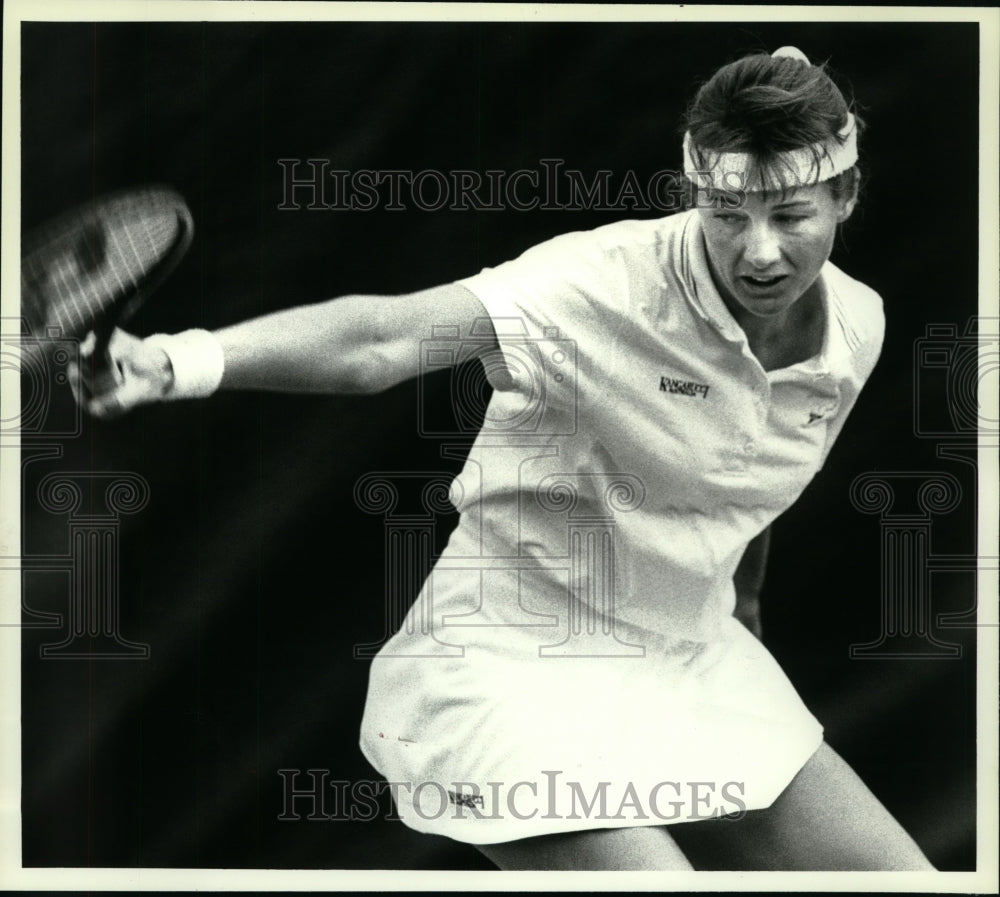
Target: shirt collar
{"x":710,"y":306}
{"x":707,"y":301}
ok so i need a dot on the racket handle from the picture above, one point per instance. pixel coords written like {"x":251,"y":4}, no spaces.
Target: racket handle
{"x":104,"y":373}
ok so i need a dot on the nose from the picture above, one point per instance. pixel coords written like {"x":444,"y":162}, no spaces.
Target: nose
{"x":762,"y":248}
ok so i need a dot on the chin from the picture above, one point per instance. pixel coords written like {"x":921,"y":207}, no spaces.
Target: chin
{"x":766,"y":305}
{"x":763,"y":310}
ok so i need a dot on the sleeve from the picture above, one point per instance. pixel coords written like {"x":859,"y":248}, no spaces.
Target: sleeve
{"x":557,"y":298}
{"x":865,"y":333}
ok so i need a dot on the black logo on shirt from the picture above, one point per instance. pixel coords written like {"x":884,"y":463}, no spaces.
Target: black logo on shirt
{"x":683,"y":387}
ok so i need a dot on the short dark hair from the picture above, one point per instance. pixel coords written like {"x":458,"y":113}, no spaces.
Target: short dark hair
{"x":764,"y":106}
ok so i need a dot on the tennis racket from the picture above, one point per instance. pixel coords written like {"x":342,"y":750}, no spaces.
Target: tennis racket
{"x":90,"y":269}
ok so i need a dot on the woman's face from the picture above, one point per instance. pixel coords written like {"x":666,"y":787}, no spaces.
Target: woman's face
{"x":767,"y":253}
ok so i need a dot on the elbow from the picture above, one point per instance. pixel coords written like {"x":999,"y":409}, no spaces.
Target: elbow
{"x":361,"y":380}
{"x":376,"y":371}
{"x":368,"y":383}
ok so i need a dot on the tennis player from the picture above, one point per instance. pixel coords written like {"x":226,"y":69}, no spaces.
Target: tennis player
{"x":572,"y":690}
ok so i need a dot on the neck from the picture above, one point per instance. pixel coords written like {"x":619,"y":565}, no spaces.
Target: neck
{"x":786,"y":339}
{"x":764,"y":329}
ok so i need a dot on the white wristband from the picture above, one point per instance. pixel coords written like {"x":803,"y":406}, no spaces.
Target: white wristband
{"x":197,"y":360}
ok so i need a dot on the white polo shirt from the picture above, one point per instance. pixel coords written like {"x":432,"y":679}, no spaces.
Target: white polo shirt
{"x":605,"y":506}
{"x":628,"y":366}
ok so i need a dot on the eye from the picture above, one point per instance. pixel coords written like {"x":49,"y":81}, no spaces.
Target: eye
{"x":786,"y":218}
{"x":726,"y":217}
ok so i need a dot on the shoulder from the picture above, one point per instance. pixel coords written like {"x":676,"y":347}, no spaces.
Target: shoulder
{"x":599,"y":262}
{"x":625,"y":237}
{"x":858,"y":313}
{"x":637,"y":253}
{"x":857,"y":304}
{"x":655,"y":237}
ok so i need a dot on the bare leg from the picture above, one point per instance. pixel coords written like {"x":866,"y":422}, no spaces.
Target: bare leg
{"x":596,"y":849}
{"x":826,"y":819}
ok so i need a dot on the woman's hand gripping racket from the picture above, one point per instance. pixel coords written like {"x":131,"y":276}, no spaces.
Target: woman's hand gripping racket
{"x":89,"y":270}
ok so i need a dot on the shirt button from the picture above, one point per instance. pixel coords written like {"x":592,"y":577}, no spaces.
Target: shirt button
{"x":750,"y":447}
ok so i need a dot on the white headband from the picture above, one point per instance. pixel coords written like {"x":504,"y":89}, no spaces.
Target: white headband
{"x":803,"y":166}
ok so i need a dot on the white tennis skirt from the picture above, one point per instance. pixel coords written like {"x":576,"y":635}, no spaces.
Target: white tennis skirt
{"x":484,"y":738}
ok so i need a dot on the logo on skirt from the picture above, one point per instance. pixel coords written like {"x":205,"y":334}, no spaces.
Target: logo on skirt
{"x":465,"y":800}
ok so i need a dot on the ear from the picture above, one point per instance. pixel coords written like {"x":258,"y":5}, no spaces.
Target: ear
{"x":848,"y":203}
{"x":846,"y":209}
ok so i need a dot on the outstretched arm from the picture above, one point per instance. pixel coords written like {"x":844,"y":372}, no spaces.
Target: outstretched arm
{"x":351,"y":345}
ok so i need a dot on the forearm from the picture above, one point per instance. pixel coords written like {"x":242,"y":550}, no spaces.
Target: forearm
{"x":352,"y":345}
{"x":337,"y":346}
{"x":749,"y":580}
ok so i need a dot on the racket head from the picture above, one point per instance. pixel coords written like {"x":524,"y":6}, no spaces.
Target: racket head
{"x":91,"y":268}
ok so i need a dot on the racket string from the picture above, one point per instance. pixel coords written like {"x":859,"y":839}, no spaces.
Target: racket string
{"x":85,"y":263}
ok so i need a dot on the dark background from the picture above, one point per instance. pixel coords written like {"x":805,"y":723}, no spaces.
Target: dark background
{"x":251,"y":574}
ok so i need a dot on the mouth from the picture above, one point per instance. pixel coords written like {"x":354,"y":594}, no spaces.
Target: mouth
{"x":758,"y":284}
